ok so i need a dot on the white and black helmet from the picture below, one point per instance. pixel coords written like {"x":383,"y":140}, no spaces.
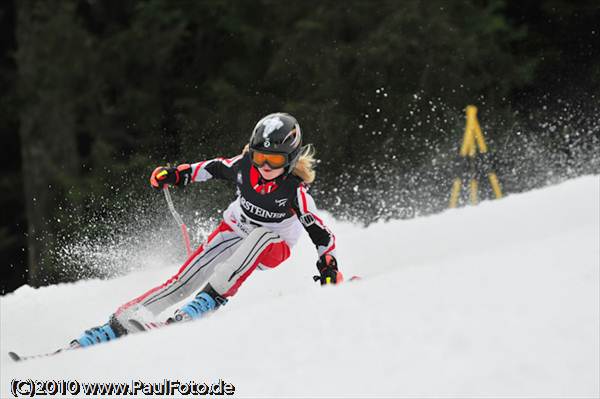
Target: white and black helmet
{"x":278,"y":133}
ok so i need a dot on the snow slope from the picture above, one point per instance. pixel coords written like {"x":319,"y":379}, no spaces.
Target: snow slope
{"x":496,"y":300}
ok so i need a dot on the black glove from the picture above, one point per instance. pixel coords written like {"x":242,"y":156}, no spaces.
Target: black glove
{"x":327,"y":266}
{"x":179,"y":176}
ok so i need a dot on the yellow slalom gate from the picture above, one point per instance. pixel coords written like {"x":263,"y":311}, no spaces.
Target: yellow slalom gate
{"x":472,"y":145}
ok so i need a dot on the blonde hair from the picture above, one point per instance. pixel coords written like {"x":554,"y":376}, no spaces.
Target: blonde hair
{"x":304,"y":168}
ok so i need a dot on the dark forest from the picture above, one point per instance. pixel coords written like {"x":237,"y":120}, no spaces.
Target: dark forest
{"x":95,"y":94}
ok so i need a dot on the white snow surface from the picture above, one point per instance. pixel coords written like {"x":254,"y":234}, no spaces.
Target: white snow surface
{"x":498,"y":300}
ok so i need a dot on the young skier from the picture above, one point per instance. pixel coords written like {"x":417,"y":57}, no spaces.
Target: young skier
{"x":258,"y":228}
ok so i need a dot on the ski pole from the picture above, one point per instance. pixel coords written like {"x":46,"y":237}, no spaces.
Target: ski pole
{"x":184,"y":230}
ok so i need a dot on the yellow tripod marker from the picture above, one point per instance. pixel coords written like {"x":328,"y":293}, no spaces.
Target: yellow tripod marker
{"x":473,"y":140}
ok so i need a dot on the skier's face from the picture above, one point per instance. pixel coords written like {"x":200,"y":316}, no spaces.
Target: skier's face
{"x":269,"y":173}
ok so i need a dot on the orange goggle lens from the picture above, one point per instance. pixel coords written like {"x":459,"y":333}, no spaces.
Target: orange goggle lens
{"x":274,"y":160}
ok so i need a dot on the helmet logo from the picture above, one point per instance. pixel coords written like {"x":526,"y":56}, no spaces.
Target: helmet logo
{"x":270,"y":125}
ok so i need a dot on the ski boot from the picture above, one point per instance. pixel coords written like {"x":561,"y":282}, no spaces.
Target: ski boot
{"x":104,"y":333}
{"x":206,"y":301}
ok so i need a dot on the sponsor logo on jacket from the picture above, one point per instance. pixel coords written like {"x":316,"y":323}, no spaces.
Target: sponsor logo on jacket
{"x":281,"y":202}
{"x":258,"y":211}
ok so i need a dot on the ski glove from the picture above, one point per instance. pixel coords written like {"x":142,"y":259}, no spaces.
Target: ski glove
{"x":179,"y":176}
{"x":327,"y":266}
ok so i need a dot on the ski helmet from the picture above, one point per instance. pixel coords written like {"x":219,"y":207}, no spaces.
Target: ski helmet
{"x":276,"y":134}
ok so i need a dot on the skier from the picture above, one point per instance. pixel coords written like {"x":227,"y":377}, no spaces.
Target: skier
{"x":257,"y":231}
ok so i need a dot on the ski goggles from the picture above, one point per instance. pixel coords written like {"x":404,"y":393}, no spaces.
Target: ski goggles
{"x":275,"y":161}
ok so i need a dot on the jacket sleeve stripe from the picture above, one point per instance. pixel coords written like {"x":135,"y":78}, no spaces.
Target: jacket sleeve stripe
{"x":231,"y":161}
{"x":303,"y":197}
{"x":201,"y":170}
{"x":197,"y":168}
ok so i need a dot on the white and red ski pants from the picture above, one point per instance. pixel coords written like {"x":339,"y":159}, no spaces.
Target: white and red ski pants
{"x":224,"y":260}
